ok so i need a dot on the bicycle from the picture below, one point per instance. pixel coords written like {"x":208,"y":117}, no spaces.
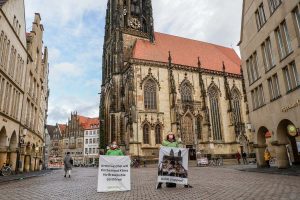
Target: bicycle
{"x":6,"y":170}
{"x":215,"y":162}
{"x":135,"y":163}
{"x":272,"y":161}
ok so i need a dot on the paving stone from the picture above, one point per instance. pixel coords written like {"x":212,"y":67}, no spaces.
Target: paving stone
{"x":208,"y":183}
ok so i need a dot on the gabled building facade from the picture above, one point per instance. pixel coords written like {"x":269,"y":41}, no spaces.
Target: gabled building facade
{"x":23,"y":109}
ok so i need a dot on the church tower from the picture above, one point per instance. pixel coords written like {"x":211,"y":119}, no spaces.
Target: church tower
{"x":126,"y":21}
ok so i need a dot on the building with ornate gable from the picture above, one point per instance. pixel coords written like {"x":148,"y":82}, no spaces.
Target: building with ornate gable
{"x":76,"y":131}
{"x":23,"y":89}
{"x":154,"y":83}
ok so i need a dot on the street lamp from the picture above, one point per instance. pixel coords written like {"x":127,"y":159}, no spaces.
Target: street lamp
{"x":21,"y":142}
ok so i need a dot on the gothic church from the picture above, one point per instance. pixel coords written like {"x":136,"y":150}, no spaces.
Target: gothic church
{"x":154,"y":83}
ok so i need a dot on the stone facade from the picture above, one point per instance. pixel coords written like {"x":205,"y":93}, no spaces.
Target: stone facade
{"x":55,"y":145}
{"x":22,"y":131}
{"x":270,"y":35}
{"x":73,"y":139}
{"x":142,"y":99}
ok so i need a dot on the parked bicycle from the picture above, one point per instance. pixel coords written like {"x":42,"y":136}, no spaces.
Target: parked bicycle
{"x":135,"y":163}
{"x":272,"y":161}
{"x":215,"y":162}
{"x":6,"y":170}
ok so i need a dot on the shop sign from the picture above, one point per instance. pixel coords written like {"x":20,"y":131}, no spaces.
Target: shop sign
{"x":291,"y":106}
{"x":292,"y":131}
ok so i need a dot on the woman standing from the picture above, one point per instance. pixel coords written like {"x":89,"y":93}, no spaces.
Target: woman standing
{"x":114,"y":150}
{"x":68,"y":162}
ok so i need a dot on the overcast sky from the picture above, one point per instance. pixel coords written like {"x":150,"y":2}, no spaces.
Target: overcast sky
{"x":74,"y":33}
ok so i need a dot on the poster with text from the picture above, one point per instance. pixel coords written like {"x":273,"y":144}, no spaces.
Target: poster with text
{"x":114,"y":174}
{"x":173,"y":165}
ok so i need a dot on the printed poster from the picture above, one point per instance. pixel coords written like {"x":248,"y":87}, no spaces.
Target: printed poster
{"x":114,"y":174}
{"x":173,"y":165}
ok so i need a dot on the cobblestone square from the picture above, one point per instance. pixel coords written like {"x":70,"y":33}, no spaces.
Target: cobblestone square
{"x":208,"y":183}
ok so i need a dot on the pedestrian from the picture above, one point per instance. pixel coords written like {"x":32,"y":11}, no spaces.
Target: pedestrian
{"x":171,"y":142}
{"x":68,"y":162}
{"x":244,"y":156}
{"x":114,"y":150}
{"x":238,"y":157}
{"x":267,"y":157}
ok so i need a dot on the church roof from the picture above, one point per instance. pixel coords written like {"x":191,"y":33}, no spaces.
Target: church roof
{"x":186,"y":52}
{"x":2,"y":2}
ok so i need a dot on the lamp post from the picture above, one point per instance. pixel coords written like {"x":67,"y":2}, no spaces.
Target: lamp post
{"x":21,"y":142}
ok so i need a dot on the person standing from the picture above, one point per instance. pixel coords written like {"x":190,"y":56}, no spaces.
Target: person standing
{"x":267,"y":157}
{"x":114,"y":150}
{"x":238,"y":157}
{"x":68,"y":162}
{"x":171,"y":142}
{"x":244,"y":156}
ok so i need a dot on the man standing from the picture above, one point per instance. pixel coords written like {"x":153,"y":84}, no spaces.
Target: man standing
{"x":244,"y":156}
{"x":68,"y":162}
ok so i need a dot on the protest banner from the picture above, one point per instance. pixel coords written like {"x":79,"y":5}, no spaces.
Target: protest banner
{"x":173,"y":165}
{"x":114,"y":174}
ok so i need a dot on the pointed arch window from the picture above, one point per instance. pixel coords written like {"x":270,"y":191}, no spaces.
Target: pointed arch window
{"x":146,"y":130}
{"x":236,"y":106}
{"x":215,"y":113}
{"x":150,"y":95}
{"x":187,"y":130}
{"x":198,"y":128}
{"x":186,"y":93}
{"x":157,"y":134}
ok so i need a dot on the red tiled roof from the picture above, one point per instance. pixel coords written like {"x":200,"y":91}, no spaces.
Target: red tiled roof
{"x":186,"y":52}
{"x":87,"y":122}
{"x":62,"y":128}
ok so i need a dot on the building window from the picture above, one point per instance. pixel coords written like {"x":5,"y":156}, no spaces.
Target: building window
{"x":236,"y":101}
{"x":86,"y":141}
{"x":296,"y":14}
{"x":150,"y":95}
{"x":86,"y":150}
{"x":283,"y":40}
{"x":274,"y":87}
{"x":215,"y":114}
{"x":258,"y":98}
{"x":291,"y":77}
{"x":187,"y":128}
{"x":260,"y":16}
{"x":186,"y":93}
{"x":252,"y":68}
{"x":267,"y":54}
{"x":157,"y":134}
{"x":91,"y":140}
{"x":90,"y":150}
{"x":198,"y":128}
{"x":94,"y":140}
{"x":274,"y":4}
{"x":146,"y":134}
